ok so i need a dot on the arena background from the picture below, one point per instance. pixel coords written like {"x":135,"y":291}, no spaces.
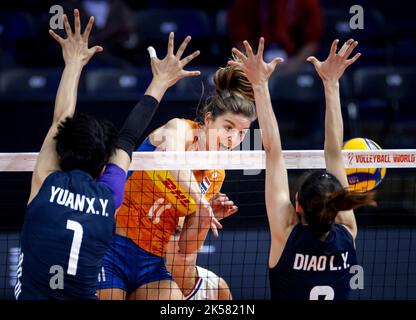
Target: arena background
{"x":377,"y":98}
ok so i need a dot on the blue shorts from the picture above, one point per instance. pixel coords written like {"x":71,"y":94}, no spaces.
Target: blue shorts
{"x":126,"y":266}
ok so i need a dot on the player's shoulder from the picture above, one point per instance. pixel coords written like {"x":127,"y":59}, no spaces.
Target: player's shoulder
{"x":222,"y":284}
{"x":176,"y":123}
{"x":215,"y":175}
{"x":172,"y":127}
{"x":343,"y":231}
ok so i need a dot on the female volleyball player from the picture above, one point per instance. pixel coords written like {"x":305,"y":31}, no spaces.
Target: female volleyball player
{"x":311,"y":257}
{"x":195,"y":282}
{"x":78,"y":182}
{"x":134,"y":267}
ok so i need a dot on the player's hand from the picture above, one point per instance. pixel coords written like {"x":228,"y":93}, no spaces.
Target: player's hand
{"x":334,"y":66}
{"x":222,"y":206}
{"x":207,"y":218}
{"x":75,"y":46}
{"x":170,"y":70}
{"x":253,"y":65}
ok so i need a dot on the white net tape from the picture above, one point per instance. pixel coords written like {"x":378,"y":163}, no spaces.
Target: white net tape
{"x":238,"y":160}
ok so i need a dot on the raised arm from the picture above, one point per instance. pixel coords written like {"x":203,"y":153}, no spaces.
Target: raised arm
{"x":330,"y":72}
{"x":182,"y":265}
{"x":280,"y":211}
{"x":166,"y":73}
{"x":76,"y":55}
{"x":176,"y":135}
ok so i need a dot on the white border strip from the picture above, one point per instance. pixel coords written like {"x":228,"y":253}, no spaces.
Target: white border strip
{"x":238,"y":160}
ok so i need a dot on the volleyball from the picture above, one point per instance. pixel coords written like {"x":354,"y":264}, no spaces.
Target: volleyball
{"x":363,"y":179}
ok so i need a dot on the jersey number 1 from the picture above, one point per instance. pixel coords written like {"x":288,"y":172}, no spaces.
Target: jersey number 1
{"x":76,"y":245}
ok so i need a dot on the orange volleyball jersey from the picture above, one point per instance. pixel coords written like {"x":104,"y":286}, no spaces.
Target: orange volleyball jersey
{"x":153,"y":203}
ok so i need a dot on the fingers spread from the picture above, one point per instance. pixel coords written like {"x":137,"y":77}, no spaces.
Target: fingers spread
{"x":170,"y":43}
{"x":183,"y":47}
{"x":189,"y":58}
{"x":152,"y":53}
{"x":313,"y":60}
{"x":94,"y":50}
{"x":239,"y":54}
{"x":191,"y":74}
{"x":345,"y":47}
{"x":56,"y":37}
{"x":234,"y":63}
{"x":249,"y":50}
{"x":275,"y":62}
{"x":350,"y":49}
{"x":260,"y":49}
{"x":77,"y":22}
{"x":334,"y":45}
{"x":67,"y":27}
{"x":88,"y":29}
{"x":352,"y":60}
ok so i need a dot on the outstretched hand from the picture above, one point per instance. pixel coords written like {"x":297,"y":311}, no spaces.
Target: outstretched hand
{"x":222,"y":206}
{"x":334,"y":66}
{"x":75,"y":46}
{"x":253,"y":65}
{"x":170,"y":70}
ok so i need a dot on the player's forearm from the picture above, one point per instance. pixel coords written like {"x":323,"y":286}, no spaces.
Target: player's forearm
{"x":135,"y":124}
{"x":157,"y":89}
{"x":182,"y":269}
{"x":334,"y":129}
{"x":66,"y":97}
{"x":197,"y":226}
{"x":194,"y":234}
{"x":267,"y":118}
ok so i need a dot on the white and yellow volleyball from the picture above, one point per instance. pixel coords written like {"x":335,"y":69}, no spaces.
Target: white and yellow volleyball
{"x":363,"y":179}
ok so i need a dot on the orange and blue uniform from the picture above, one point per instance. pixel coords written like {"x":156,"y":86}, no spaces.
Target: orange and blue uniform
{"x":152,"y":205}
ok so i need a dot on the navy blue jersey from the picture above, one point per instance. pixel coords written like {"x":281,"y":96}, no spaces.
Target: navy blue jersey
{"x":68,"y":227}
{"x":313,"y":269}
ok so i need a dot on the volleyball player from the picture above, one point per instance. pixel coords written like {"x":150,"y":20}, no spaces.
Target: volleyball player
{"x":310,"y":257}
{"x":78,"y":182}
{"x":134,"y":266}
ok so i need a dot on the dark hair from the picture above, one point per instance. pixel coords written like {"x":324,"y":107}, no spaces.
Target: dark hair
{"x":322,"y":196}
{"x":233,"y":93}
{"x":85,"y":143}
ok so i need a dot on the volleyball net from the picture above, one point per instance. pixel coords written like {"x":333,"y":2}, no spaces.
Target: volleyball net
{"x":386,"y":241}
